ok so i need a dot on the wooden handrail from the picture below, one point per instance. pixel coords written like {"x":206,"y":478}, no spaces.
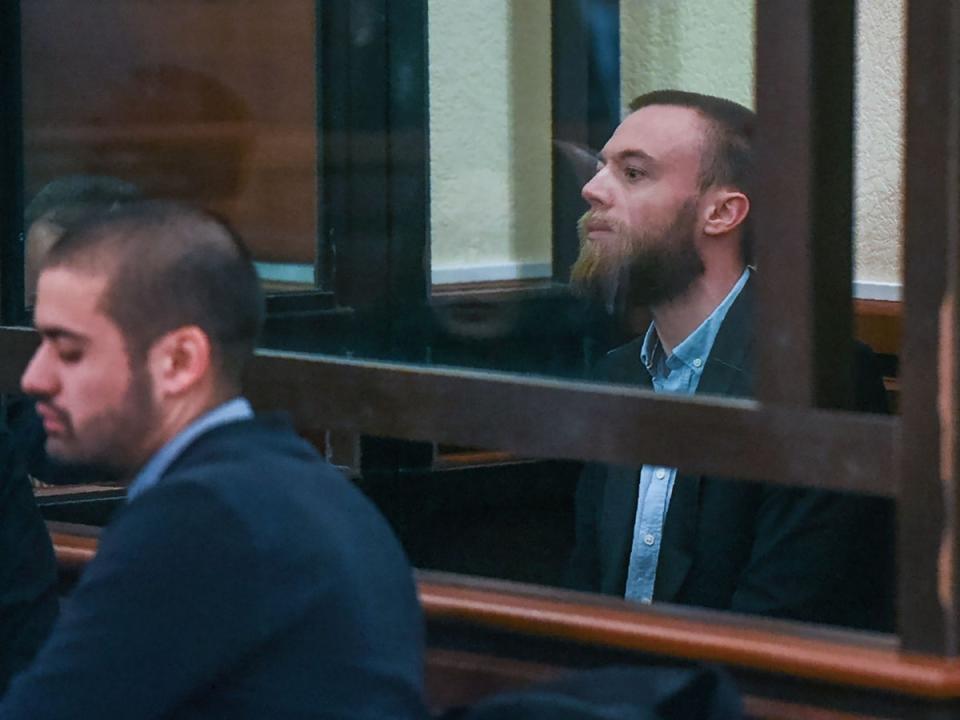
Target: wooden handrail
{"x":74,"y":545}
{"x":813,"y":653}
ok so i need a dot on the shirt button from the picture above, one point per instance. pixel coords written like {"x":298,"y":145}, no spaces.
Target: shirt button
{"x":648,"y":539}
{"x":660,"y":474}
{"x":697,"y":362}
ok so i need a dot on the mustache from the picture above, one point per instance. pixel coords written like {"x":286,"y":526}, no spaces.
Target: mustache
{"x":582,"y":226}
{"x":590,"y":218}
{"x":49,"y":408}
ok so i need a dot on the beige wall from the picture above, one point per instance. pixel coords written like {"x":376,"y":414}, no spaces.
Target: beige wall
{"x":879,"y":140}
{"x":489,"y":136}
{"x":703,"y":46}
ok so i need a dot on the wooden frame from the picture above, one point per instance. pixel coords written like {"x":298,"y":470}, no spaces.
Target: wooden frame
{"x":928,"y":595}
{"x":710,"y":435}
{"x":805,"y":49}
{"x":858,"y":672}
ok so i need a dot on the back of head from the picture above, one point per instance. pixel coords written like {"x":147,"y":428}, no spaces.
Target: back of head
{"x":170,"y":265}
{"x":728,"y":144}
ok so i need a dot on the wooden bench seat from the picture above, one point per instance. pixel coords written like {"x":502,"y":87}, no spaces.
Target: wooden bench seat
{"x":488,"y":636}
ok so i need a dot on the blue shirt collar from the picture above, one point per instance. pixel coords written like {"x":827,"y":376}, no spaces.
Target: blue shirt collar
{"x":150,"y":474}
{"x":695,"y":348}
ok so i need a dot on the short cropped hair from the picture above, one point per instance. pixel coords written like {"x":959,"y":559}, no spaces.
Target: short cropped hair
{"x":169,"y":265}
{"x":728,"y":145}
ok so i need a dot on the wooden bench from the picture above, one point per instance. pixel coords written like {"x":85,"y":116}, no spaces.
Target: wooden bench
{"x":486,"y":637}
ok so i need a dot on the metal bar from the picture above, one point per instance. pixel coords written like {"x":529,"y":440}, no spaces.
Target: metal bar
{"x":355,"y":125}
{"x":927,"y":528}
{"x":553,"y":419}
{"x":11,"y":165}
{"x":407,"y":177}
{"x":323,"y":250}
{"x":570,"y":96}
{"x":804,"y":200}
{"x":408,"y":152}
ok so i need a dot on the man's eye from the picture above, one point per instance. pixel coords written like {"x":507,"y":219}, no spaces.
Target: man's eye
{"x":69,"y":355}
{"x":634,"y":173}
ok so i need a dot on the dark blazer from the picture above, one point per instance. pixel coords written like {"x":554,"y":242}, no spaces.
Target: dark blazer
{"x":750,"y":547}
{"x":28,"y":571}
{"x":253,"y":581}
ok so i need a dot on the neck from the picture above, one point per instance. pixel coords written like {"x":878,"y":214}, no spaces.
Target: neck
{"x":174,"y":417}
{"x":677,"y":319}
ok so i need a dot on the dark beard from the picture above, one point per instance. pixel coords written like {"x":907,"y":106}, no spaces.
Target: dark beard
{"x":113,"y":446}
{"x":639,"y":270}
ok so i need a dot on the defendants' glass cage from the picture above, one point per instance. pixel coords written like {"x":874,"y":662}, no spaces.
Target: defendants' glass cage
{"x":408,"y":176}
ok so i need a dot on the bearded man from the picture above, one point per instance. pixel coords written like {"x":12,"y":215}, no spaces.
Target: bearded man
{"x":668,"y":230}
{"x":245,"y":577}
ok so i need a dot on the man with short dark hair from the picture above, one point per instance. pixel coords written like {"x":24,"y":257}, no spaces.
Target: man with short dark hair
{"x":57,"y":208}
{"x":28,"y":572}
{"x":245,"y":578}
{"x":667,"y":230}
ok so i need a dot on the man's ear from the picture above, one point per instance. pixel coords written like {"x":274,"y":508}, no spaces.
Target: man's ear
{"x":726,"y":212}
{"x":179,"y":360}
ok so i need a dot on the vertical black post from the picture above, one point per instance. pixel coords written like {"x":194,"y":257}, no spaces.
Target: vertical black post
{"x":586,"y":101}
{"x":353,"y":47}
{"x":11,"y":165}
{"x":323,"y":258}
{"x":373,"y":117}
{"x":804,"y":200}
{"x":408,"y":152}
{"x":375,"y":218}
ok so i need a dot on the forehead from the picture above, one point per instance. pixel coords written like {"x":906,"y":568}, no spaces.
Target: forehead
{"x":667,"y":133}
{"x":70,"y":300}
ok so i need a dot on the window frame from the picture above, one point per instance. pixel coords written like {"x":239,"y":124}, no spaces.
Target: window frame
{"x":805,"y":70}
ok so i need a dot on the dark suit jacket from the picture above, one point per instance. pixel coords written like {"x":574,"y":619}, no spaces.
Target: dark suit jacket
{"x":253,"y":581}
{"x":28,"y":571}
{"x":749,"y":547}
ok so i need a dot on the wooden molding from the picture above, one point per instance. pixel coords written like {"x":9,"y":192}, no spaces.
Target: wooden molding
{"x":879,"y":324}
{"x":856,"y":660}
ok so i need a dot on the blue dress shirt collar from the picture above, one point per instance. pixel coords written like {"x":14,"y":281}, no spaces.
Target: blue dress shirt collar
{"x":693,"y":351}
{"x":230,"y":411}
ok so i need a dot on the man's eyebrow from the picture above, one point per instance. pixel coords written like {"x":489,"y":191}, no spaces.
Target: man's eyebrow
{"x":633,"y":154}
{"x":61,"y":333}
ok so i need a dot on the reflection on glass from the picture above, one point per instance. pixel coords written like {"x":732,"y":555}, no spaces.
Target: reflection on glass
{"x":646,"y":535}
{"x":216,"y":102}
{"x":211,"y":102}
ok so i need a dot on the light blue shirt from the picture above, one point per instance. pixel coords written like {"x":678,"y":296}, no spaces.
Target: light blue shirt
{"x":677,"y":373}
{"x":150,"y":474}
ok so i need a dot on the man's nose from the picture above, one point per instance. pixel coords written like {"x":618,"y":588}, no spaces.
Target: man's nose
{"x":38,"y":379}
{"x":595,"y":192}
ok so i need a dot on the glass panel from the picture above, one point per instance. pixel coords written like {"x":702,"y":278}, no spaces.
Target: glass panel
{"x":453,"y":157}
{"x":644,"y":535}
{"x":213,"y":102}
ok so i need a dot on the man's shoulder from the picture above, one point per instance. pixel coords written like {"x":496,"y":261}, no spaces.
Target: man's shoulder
{"x":260,"y":469}
{"x":249,"y":443}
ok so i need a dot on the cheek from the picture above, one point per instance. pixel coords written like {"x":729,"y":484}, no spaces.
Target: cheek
{"x":89,"y":393}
